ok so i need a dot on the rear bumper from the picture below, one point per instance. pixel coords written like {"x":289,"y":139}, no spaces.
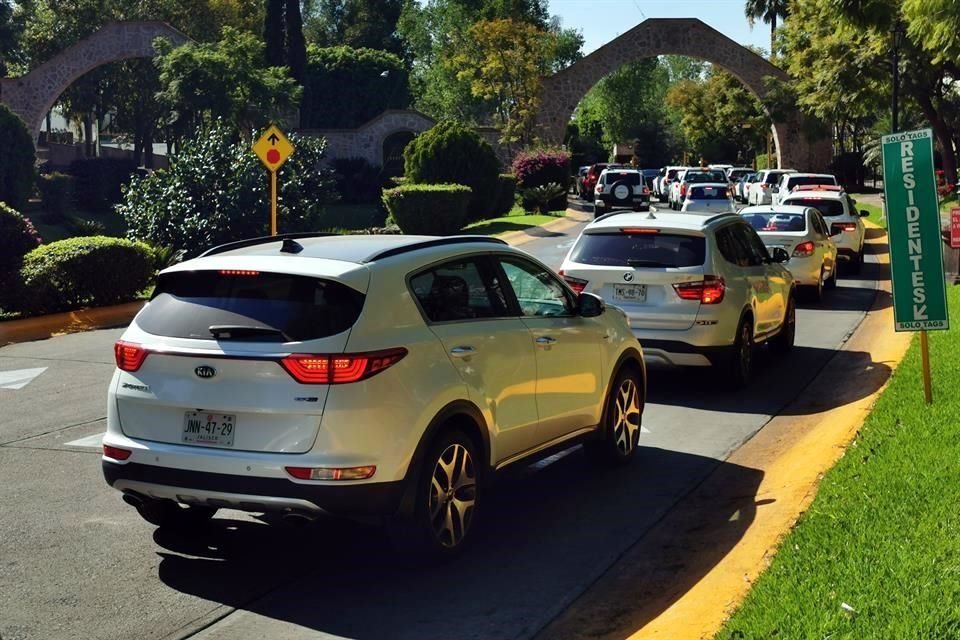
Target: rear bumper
{"x":635,"y":201}
{"x":251,"y":493}
{"x":681,"y":354}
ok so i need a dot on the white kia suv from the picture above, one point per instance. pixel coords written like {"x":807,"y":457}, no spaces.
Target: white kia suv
{"x":839,"y":210}
{"x":698,"y":289}
{"x":362,"y":375}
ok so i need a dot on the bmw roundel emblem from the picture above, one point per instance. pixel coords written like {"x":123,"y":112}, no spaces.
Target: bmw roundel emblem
{"x":628,"y":276}
{"x":205,"y":371}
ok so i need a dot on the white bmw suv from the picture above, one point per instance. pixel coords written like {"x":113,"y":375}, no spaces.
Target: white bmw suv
{"x":362,"y":375}
{"x":698,"y":289}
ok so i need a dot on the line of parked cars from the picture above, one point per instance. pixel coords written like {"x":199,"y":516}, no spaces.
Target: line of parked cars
{"x":392,"y":377}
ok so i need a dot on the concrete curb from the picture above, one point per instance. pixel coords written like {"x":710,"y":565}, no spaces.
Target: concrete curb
{"x":560,"y":225}
{"x":43,"y":327}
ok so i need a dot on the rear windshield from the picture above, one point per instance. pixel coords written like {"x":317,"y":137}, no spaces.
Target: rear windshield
{"x":618,"y":249}
{"x":708,"y":193}
{"x":705,"y":176}
{"x":631,"y":178}
{"x":793,"y":183}
{"x":777,"y":221}
{"x":186,"y":304}
{"x":773,"y":177}
{"x":671,"y":174}
{"x":736,"y":174}
{"x":826,"y":207}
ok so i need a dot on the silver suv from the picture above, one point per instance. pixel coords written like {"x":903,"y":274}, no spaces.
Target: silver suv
{"x":698,"y":289}
{"x":383,"y":376}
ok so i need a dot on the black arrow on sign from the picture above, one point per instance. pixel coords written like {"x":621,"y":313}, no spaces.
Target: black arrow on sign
{"x":274,"y":139}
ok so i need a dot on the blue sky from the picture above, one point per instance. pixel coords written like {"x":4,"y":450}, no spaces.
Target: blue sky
{"x":602,"y":20}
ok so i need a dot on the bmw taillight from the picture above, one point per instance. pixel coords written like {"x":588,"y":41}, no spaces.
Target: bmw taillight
{"x":129,"y":356}
{"x":577,"y":284}
{"x":710,"y":290}
{"x":804,"y":249}
{"x":310,"y":368}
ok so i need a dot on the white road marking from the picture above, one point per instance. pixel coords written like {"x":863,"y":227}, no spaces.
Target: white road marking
{"x":90,"y":442}
{"x":19,"y":378}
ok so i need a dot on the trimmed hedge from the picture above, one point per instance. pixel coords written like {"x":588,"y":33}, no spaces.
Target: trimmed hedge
{"x":56,"y":189}
{"x":452,"y":153}
{"x":17,"y":238}
{"x":540,"y":167}
{"x":428,"y":209}
{"x":506,"y":194}
{"x":80,"y":272}
{"x":100,"y":181}
{"x":17,"y":160}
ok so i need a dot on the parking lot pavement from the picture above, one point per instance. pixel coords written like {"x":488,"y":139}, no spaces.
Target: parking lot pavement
{"x":75,"y":561}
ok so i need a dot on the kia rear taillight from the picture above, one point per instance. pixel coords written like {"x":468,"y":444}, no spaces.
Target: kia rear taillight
{"x":710,"y":290}
{"x":308,"y":368}
{"x":804,"y":249}
{"x":129,"y":356}
{"x":325,"y":473}
{"x":577,"y":284}
{"x":115,"y":453}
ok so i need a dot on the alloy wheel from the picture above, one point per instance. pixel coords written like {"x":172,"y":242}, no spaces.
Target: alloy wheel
{"x":453,"y":495}
{"x":627,"y":417}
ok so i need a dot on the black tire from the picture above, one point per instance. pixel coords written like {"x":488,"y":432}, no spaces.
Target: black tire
{"x":832,"y":282}
{"x":169,"y":514}
{"x":738,"y":368}
{"x":815,"y":292}
{"x":441,"y":522}
{"x":619,"y":434}
{"x":783,"y":342}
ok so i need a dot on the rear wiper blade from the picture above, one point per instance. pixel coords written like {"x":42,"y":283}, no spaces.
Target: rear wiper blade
{"x":228,"y":331}
{"x":636,"y":262}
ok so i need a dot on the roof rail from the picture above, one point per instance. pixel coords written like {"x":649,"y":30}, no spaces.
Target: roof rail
{"x":610,"y":214}
{"x":250,"y":242}
{"x":720,"y":216}
{"x":426,"y":244}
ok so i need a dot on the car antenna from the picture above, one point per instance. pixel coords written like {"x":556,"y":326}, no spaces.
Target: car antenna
{"x":650,"y":215}
{"x":290,"y":246}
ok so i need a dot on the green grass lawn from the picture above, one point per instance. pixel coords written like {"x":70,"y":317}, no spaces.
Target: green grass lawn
{"x":883,"y":534}
{"x":53,"y":228}
{"x":876,"y":213}
{"x":516,"y":220}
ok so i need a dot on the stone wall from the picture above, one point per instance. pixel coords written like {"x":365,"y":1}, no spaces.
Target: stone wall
{"x":367,"y":140}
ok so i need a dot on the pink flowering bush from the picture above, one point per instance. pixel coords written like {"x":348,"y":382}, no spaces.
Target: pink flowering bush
{"x":18,"y":237}
{"x":539,"y":167}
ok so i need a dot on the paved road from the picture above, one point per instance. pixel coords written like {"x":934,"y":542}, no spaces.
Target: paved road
{"x":76,"y":562}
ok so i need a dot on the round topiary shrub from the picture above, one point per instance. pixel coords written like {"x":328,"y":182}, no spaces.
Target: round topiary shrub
{"x":17,"y":238}
{"x":453,"y":153}
{"x":17,"y":160}
{"x":89,"y":271}
{"x":428,"y":209}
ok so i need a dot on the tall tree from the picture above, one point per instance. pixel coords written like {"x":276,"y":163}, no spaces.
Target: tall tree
{"x":296,"y":44}
{"x":274,"y":34}
{"x":768,"y":11}
{"x":368,"y":24}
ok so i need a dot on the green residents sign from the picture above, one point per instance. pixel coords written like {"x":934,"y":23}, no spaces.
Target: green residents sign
{"x":913,"y":224}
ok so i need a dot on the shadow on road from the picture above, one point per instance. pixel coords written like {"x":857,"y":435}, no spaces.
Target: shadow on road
{"x":547,"y":534}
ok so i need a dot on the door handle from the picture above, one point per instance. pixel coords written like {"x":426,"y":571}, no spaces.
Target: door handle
{"x":545,"y":341}
{"x":462,"y":352}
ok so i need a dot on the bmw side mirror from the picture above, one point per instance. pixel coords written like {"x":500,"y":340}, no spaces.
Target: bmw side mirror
{"x":780,"y":255}
{"x":590,"y":305}
{"x":864,"y":213}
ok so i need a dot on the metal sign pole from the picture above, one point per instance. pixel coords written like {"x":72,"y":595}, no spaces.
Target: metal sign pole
{"x":273,"y":203}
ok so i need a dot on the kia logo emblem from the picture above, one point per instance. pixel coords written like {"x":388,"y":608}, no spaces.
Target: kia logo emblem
{"x":627,"y":276}
{"x":204,"y":371}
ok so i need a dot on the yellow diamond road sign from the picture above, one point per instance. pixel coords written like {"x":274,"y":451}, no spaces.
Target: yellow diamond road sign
{"x":273,"y":148}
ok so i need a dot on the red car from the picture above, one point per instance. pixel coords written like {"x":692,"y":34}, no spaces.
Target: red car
{"x":590,"y":180}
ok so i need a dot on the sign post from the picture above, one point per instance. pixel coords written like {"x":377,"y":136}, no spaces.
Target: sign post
{"x":916,"y":249}
{"x":273,"y":149}
{"x":955,"y":228}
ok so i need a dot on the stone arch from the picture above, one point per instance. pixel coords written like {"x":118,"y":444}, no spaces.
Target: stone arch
{"x":686,"y":37}
{"x":33,"y":95}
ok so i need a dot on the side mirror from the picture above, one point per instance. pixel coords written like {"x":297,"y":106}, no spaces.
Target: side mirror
{"x":864,"y":213}
{"x":775,"y":189}
{"x":590,"y":305}
{"x":780,"y":255}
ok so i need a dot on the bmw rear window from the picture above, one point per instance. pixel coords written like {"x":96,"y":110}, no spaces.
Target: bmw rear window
{"x":708,"y":193}
{"x":831,"y":208}
{"x":618,"y":249}
{"x":274,"y":307}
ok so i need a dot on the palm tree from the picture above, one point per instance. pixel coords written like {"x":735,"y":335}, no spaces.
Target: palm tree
{"x":766,"y":11}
